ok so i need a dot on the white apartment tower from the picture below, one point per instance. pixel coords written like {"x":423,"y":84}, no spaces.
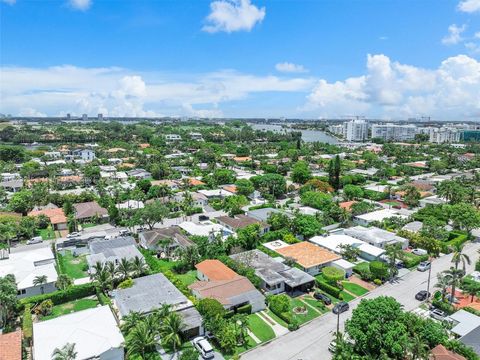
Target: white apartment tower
{"x":394,"y":132}
{"x":444,"y":135}
{"x":356,"y":130}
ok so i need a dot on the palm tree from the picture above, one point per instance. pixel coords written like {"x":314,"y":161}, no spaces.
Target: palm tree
{"x":67,"y":352}
{"x":124,"y":267}
{"x":393,"y":253}
{"x":162,"y":312}
{"x":472,"y":289}
{"x":459,"y":257}
{"x":138,"y":266}
{"x":171,"y":330}
{"x":101,"y":275}
{"x":241,"y":325}
{"x":129,"y":321}
{"x":443,"y":282}
{"x":63,"y":282}
{"x":141,"y":340}
{"x":40,"y":280}
{"x":418,"y":349}
{"x":112,"y":271}
{"x":454,"y":276}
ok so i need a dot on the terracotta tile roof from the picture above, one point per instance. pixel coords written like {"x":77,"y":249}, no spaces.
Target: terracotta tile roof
{"x":307,"y":254}
{"x":347,"y":204}
{"x":231,"y":188}
{"x":242,"y":158}
{"x":215,"y":270}
{"x":89,"y":209}
{"x":441,"y":353}
{"x":144,"y":146}
{"x":11,"y":346}
{"x":114,"y":150}
{"x":239,"y":221}
{"x":223,"y":290}
{"x":70,"y":178}
{"x":195,"y":182}
{"x":56,"y":216}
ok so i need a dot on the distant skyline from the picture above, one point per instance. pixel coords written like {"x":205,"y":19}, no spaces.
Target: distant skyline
{"x":241,"y":58}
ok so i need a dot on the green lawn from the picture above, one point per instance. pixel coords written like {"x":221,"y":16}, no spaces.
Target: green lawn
{"x":188,"y":278}
{"x":316,"y":304}
{"x":88,"y":225}
{"x":46,"y":234}
{"x":276,"y":318}
{"x":303,"y":318}
{"x":354,"y":288}
{"x":73,"y":266}
{"x":260,"y":328}
{"x":71,"y":307}
{"x":346,"y":296}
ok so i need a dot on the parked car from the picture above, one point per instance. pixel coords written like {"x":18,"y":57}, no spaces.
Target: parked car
{"x":421,"y":295}
{"x":340,"y":307}
{"x":73,"y":235}
{"x":35,"y":240}
{"x":322,"y":297}
{"x":124,"y":232}
{"x":424,"y":266}
{"x":332,"y":347}
{"x":419,"y":252}
{"x":438,"y":314}
{"x":203,"y":218}
{"x":203,"y":347}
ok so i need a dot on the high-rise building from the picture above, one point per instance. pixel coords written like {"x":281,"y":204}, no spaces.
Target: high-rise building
{"x":69,"y":116}
{"x":84,"y":117}
{"x":337,"y":129}
{"x":100,"y":117}
{"x":394,"y":132}
{"x":444,"y":135}
{"x":356,"y":130}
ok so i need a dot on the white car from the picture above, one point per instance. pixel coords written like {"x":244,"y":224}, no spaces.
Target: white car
{"x":35,"y":240}
{"x":438,"y":314}
{"x":419,"y":252}
{"x":424,"y":266}
{"x":73,"y":235}
{"x":204,"y":347}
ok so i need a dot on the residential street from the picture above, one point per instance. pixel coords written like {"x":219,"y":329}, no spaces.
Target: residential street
{"x":312,"y":340}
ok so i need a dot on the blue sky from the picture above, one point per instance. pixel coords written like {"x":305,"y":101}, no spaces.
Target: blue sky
{"x":317,"y":58}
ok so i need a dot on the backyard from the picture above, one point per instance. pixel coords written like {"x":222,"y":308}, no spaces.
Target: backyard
{"x":74,"y":266}
{"x":71,"y":307}
{"x":188,"y":278}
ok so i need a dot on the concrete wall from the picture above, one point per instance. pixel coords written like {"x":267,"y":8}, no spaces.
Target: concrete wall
{"x":113,"y":354}
{"x":37,"y":290}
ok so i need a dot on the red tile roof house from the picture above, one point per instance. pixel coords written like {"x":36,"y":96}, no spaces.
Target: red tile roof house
{"x":219,"y":282}
{"x":90,"y":212}
{"x":241,"y":221}
{"x":57,"y":217}
{"x":11,"y":346}
{"x":441,"y":353}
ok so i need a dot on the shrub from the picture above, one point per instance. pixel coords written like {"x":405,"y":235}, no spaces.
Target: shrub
{"x":477,"y":265}
{"x":245,"y":309}
{"x":27,"y":323}
{"x":329,"y":289}
{"x":377,"y":282}
{"x":125,"y":284}
{"x":45,"y":307}
{"x":333,"y":274}
{"x":379,"y":270}
{"x":189,"y":354}
{"x":279,"y":304}
{"x":210,"y":308}
{"x":293,"y":325}
{"x":444,"y":306}
{"x":411,"y":260}
{"x":62,"y":296}
{"x":363,"y":269}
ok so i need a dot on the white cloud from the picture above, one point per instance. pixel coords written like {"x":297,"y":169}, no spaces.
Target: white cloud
{"x":477,"y":35}
{"x":469,"y":6}
{"x":454,"y":35}
{"x":390,"y":89}
{"x":120,"y":92}
{"x":233,"y":15}
{"x":82,"y":5}
{"x":31,"y":112}
{"x":288,"y":67}
{"x":9,"y":2}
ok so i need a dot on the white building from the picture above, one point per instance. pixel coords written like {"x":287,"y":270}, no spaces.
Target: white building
{"x":338,"y":129}
{"x":173,"y":137}
{"x":376,"y":236}
{"x":26,"y":265}
{"x":207,"y":228}
{"x":93,"y":331}
{"x":334,"y":243}
{"x":379,"y":215}
{"x":84,"y":154}
{"x":444,"y":135}
{"x":394,"y":132}
{"x":356,"y":130}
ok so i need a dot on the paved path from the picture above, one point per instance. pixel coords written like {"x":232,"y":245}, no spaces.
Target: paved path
{"x":311,"y":341}
{"x":252,"y":335}
{"x":278,"y":329}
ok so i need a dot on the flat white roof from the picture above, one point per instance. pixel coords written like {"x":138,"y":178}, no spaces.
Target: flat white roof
{"x":375,"y":187}
{"x":202,"y":229}
{"x":464,"y":322}
{"x":93,"y":331}
{"x":344,"y":264}
{"x":274,"y":245}
{"x":28,"y":264}
{"x":379,"y":215}
{"x":333,"y":242}
{"x":216,"y":192}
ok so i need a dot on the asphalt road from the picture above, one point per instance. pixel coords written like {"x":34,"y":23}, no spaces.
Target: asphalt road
{"x":311,"y":341}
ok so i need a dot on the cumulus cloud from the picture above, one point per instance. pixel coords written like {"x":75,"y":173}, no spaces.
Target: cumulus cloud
{"x":288,"y":67}
{"x":454,"y":35}
{"x":9,"y":2}
{"x":469,"y":6}
{"x":233,"y":15}
{"x":81,"y":5}
{"x":391,"y":89}
{"x":121,"y":92}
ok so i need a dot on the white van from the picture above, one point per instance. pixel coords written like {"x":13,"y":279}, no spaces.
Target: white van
{"x":35,"y":240}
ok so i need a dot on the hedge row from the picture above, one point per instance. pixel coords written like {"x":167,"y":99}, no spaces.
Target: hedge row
{"x":245,"y":309}
{"x":329,"y":289}
{"x":27,"y":324}
{"x":413,"y":260}
{"x":444,"y":306}
{"x":62,"y":296}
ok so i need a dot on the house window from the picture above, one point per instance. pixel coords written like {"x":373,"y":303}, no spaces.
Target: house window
{"x":21,"y":292}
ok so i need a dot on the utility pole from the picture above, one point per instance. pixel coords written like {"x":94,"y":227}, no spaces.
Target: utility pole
{"x":428,"y":281}
{"x":338,"y":324}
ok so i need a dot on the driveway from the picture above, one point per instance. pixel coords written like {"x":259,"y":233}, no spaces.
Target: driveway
{"x":311,"y":342}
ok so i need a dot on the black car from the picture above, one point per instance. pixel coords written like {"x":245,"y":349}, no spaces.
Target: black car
{"x":340,"y":307}
{"x":421,"y":295}
{"x":203,"y":218}
{"x":322,"y":297}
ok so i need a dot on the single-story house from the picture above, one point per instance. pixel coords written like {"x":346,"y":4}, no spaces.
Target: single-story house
{"x":11,"y":346}
{"x":309,"y":257}
{"x":139,"y":174}
{"x":440,"y":352}
{"x":241,"y":221}
{"x":13,"y":185}
{"x":26,"y":265}
{"x":335,"y":242}
{"x":463,"y":322}
{"x":93,"y":331}
{"x":151,"y":292}
{"x":207,"y":228}
{"x":432,"y":200}
{"x":414,"y":226}
{"x":276,"y":276}
{"x":264,"y":214}
{"x":89,"y":211}
{"x":56,"y":215}
{"x":217,"y":193}
{"x":113,"y":250}
{"x":131,"y":205}
{"x":219,"y":282}
{"x":153,"y":239}
{"x":472,"y":339}
{"x":376,"y":236}
{"x":378,"y":215}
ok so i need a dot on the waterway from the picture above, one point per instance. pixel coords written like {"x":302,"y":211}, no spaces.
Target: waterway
{"x":307,"y":135}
